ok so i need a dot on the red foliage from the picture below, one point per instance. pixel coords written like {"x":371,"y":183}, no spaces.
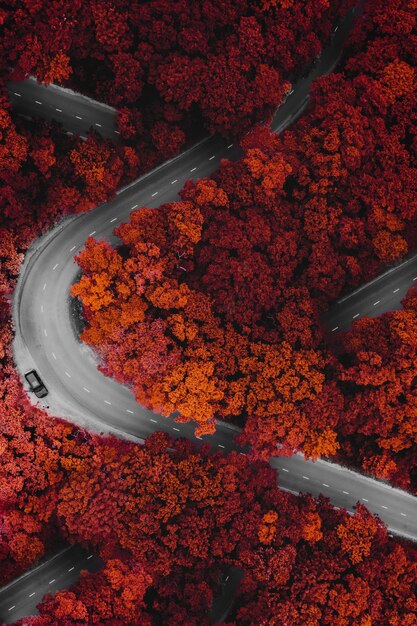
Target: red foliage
{"x":215,"y":313}
{"x":176,"y":519}
{"x":228,"y":284}
{"x":228,"y":62}
{"x":379,"y":373}
{"x":44,"y":174}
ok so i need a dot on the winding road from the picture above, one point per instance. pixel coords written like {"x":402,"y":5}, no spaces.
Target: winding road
{"x":46,"y":336}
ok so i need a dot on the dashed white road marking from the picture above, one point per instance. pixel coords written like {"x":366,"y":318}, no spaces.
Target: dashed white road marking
{"x":403,"y":514}
{"x":306,"y":477}
{"x":197,"y":437}
{"x":242,"y":453}
{"x":41,"y":308}
{"x":135,"y":206}
{"x":377,"y":302}
{"x":78,"y":117}
{"x":12,"y":607}
{"x":67,"y":374}
{"x":325,"y":485}
{"x":55,"y":266}
{"x":396,"y":290}
{"x":174,"y":181}
{"x":90,"y":556}
{"x":229,"y":146}
{"x":51,"y":581}
{"x":129,"y":411}
{"x":212,"y":157}
{"x":86,"y":390}
{"x":71,"y":568}
{"x":384,"y":507}
{"x":356,"y":315}
{"x":44,"y":287}
{"x":284,"y":469}
{"x":17,"y":94}
{"x":32,"y":594}
{"x":93,"y":233}
{"x":364,"y":499}
{"x":114,"y":219}
{"x":154,"y":194}
{"x":107,"y":402}
{"x":220,"y":445}
{"x":99,"y":125}
{"x":154,"y":421}
{"x":44,"y":332}
{"x":54,"y":355}
{"x":346,"y":492}
{"x":73,"y":248}
{"x":415,"y":278}
{"x":335,"y":328}
{"x":117,"y":132}
{"x":38,"y":102}
{"x":193,"y":170}
{"x":59,"y":110}
{"x":177,"y":429}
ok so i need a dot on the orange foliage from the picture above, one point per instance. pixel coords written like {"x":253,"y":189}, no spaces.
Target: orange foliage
{"x":356,"y":534}
{"x":59,"y":69}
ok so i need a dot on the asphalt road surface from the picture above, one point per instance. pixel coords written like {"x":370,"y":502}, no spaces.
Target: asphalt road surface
{"x":20,"y":597}
{"x":46,"y":338}
{"x":77,"y":113}
{"x":382,"y":294}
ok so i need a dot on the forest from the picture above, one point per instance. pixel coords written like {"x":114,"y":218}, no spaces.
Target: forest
{"x":176,"y":519}
{"x":213,"y":308}
{"x":170,"y":67}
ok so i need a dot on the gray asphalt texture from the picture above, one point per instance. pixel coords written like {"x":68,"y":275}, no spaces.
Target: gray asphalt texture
{"x":20,"y":597}
{"x":77,"y":113}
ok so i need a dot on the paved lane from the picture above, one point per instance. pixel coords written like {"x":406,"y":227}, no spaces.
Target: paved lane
{"x":21,"y":596}
{"x":77,"y":113}
{"x":382,"y":294}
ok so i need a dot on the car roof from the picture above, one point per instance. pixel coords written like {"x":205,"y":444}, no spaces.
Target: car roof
{"x":32,"y":374}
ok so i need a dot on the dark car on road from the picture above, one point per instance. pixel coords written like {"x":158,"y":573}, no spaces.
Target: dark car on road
{"x":36,"y":384}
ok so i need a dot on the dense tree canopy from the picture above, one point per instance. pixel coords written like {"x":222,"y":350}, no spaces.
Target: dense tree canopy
{"x":170,"y":67}
{"x":379,"y":375}
{"x":175,"y":520}
{"x":212,"y":308}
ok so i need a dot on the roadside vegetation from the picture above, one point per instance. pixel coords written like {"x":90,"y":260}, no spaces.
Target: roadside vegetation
{"x":215,"y":307}
{"x":214,"y":310}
